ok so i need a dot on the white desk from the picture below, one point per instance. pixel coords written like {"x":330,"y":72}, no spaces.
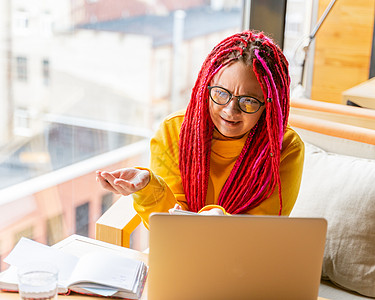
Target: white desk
{"x":362,"y":94}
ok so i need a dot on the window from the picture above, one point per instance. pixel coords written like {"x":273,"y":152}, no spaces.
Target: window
{"x":21,"y":68}
{"x":21,"y":21}
{"x":107,"y":201}
{"x":22,"y":122}
{"x":55,"y":230}
{"x":87,"y":82}
{"x":294,"y":25}
{"x":297,"y":30}
{"x":162,"y":86}
{"x":82,"y":219}
{"x":27,"y":233}
{"x":45,"y":71}
{"x":46,"y":25}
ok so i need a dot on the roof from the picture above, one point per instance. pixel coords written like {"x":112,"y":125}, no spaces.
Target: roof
{"x":198,"y":22}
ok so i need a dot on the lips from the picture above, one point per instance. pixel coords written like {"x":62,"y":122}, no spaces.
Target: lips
{"x":230,"y":122}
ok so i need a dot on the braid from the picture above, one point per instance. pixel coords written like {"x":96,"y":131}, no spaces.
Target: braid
{"x":255,"y":174}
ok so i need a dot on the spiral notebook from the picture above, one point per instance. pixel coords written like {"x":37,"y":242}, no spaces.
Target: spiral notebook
{"x":235,"y":257}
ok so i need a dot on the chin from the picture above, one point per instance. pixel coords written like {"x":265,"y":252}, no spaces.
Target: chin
{"x":233,"y":135}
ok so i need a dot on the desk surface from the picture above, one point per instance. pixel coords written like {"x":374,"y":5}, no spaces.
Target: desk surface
{"x":362,"y":94}
{"x":15,"y":296}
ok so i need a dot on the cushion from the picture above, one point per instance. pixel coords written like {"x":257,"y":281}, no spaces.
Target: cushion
{"x":328,"y":290}
{"x":341,"y":189}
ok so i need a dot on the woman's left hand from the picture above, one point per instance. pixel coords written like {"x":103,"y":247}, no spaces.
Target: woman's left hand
{"x":213,"y":212}
{"x":209,"y":212}
{"x":173,"y":210}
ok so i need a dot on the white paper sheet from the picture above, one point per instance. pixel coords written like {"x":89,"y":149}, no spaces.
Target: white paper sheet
{"x":27,"y":251}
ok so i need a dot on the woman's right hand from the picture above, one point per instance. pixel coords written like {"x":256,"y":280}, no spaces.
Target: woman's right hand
{"x":123,"y":181}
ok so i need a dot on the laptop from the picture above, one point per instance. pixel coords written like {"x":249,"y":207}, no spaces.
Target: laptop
{"x":235,"y":257}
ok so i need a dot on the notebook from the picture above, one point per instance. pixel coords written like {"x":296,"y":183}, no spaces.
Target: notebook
{"x":235,"y":257}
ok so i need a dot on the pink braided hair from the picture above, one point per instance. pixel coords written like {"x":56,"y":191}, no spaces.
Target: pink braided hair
{"x":256,"y":172}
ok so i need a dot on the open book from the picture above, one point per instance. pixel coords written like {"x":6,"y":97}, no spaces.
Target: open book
{"x":98,"y":269}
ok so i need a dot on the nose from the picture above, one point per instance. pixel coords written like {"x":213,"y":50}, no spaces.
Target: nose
{"x":232,"y":107}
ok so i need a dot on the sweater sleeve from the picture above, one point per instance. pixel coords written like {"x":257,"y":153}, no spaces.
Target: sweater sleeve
{"x":165,"y":187}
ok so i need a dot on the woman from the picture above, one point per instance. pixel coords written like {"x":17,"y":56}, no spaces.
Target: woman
{"x":232,"y":151}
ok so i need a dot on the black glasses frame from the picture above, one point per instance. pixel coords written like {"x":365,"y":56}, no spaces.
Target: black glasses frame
{"x":231,"y":96}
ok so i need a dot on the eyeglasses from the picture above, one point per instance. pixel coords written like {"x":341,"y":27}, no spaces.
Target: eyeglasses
{"x":247,"y":104}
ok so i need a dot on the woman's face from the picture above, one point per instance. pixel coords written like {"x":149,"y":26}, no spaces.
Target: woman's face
{"x":228,"y":119}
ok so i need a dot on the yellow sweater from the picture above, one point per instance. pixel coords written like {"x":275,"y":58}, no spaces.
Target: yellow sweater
{"x":165,"y":187}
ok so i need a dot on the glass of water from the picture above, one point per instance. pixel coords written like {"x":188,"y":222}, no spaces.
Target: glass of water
{"x":38,"y":280}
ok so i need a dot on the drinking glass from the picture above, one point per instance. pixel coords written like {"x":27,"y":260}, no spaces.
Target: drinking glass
{"x":38,"y":280}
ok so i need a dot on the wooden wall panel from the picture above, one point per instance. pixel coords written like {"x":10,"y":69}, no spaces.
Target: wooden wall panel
{"x":342,"y":48}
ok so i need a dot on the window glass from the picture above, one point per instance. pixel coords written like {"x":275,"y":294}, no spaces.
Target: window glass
{"x":20,"y":21}
{"x":296,"y":37}
{"x":21,"y":68}
{"x":55,"y":232}
{"x":45,"y":71}
{"x":82,"y":219}
{"x":107,"y":201}
{"x":27,"y":232}
{"x":83,"y":86}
